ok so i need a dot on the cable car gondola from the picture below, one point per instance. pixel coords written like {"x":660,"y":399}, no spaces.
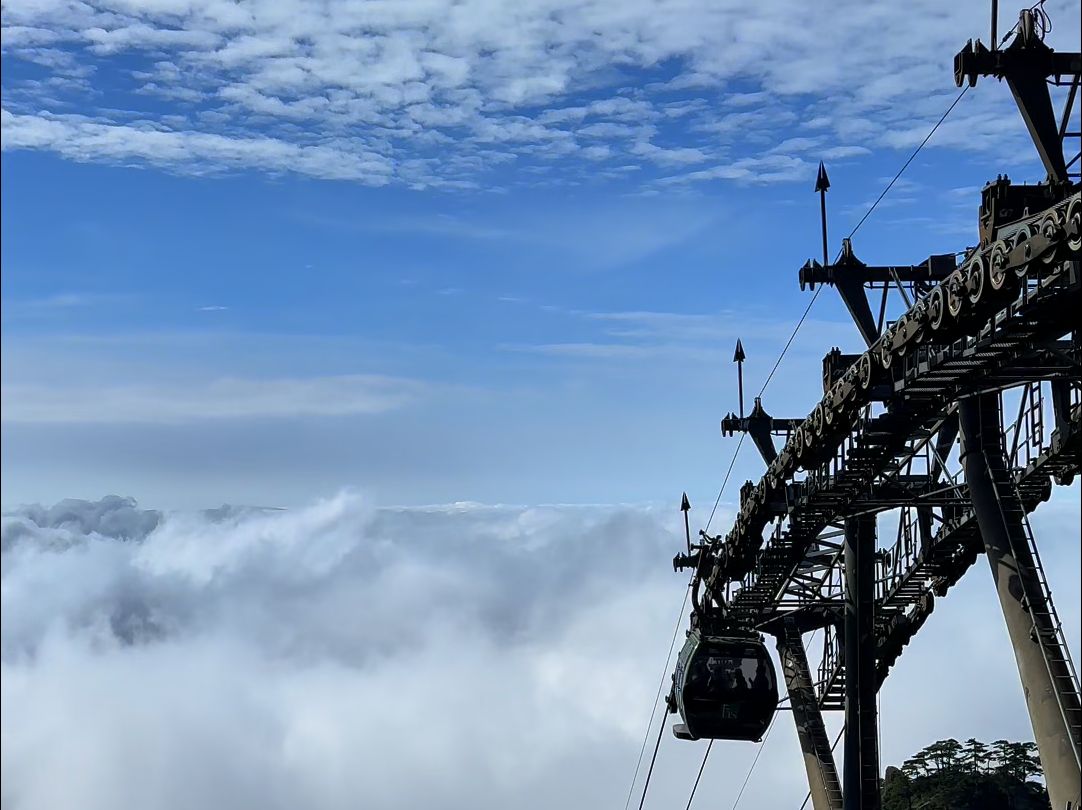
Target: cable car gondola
{"x":724,"y":687}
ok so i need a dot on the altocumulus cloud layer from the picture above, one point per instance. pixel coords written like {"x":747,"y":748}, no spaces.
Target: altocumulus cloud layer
{"x":460,"y":656}
{"x":443,"y":93}
{"x":334,"y":656}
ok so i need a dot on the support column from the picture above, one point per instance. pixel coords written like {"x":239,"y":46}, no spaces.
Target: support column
{"x":1051,"y":696}
{"x":861,"y":766}
{"x":823,"y":784}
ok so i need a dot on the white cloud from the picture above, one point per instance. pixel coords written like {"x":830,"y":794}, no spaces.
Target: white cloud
{"x":604,"y":351}
{"x":59,"y":301}
{"x":341,"y":656}
{"x":223,"y":398}
{"x":80,"y":139}
{"x":330,"y":656}
{"x":710,"y":329}
{"x":842,"y":152}
{"x":754,"y":171}
{"x":682,"y":338}
{"x":415,"y":92}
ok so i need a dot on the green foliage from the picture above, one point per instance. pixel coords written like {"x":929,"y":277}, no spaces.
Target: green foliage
{"x":949,"y":775}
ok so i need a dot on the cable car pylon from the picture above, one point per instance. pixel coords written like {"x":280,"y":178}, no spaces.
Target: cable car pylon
{"x":915,"y":427}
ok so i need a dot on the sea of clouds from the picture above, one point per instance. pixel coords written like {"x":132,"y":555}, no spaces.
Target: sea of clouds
{"x":330,"y":656}
{"x":342,"y":655}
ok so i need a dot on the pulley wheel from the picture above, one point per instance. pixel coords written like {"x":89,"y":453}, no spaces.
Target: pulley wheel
{"x":1052,"y":229}
{"x":915,"y":321}
{"x":818,"y":419}
{"x":975,"y":277}
{"x":1073,"y":224}
{"x":937,"y":307}
{"x":886,"y":354}
{"x":798,"y":444}
{"x":956,"y":288}
{"x":809,"y":443}
{"x":998,"y":273}
{"x":864,"y":371}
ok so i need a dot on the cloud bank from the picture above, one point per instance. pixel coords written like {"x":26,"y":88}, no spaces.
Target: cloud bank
{"x":334,"y":656}
{"x":338,"y":656}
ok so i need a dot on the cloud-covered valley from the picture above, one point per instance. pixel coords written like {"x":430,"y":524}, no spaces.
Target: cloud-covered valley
{"x":340,"y":655}
{"x":333,"y":656}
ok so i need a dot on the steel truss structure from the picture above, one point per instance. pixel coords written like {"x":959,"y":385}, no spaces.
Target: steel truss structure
{"x":947,"y":432}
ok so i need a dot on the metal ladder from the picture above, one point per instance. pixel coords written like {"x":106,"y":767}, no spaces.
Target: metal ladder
{"x":1047,"y":630}
{"x":807,"y":713}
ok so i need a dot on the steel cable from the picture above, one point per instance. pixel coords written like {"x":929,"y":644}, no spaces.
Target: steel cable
{"x":728,"y":472}
{"x":905,"y":165}
{"x":815,"y":295}
{"x":653,"y":759}
{"x":789,"y":342}
{"x":856,"y":228}
{"x":657,"y":697}
{"x":699,"y":776}
{"x":754,"y":762}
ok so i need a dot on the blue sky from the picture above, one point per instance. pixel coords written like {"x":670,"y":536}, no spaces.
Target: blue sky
{"x":259,"y":252}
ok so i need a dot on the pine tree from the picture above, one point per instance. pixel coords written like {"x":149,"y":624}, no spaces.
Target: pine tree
{"x":916,"y":765}
{"x":948,"y":775}
{"x":1016,"y":760}
{"x":976,"y":756}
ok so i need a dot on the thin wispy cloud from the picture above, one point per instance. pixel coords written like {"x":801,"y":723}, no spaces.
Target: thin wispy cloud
{"x":62,"y":302}
{"x":602,"y":351}
{"x":226,"y":398}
